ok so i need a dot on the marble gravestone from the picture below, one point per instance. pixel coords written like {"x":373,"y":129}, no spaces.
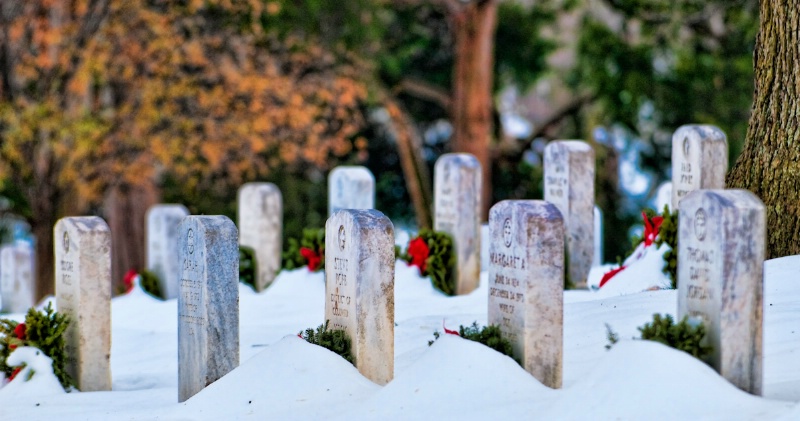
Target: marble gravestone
{"x":208,"y":303}
{"x":16,"y":277}
{"x":457,"y":211}
{"x":260,"y":214}
{"x":526,"y":283}
{"x":162,"y":246}
{"x":597,"y":257}
{"x":359,"y":287}
{"x":350,"y":187}
{"x":721,"y":242}
{"x":699,"y":160}
{"x":83,"y":292}
{"x":664,"y":197}
{"x":569,"y":184}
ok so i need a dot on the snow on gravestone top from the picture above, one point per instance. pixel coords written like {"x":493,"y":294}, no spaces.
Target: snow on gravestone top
{"x":457,"y":210}
{"x":162,"y":246}
{"x":208,"y":303}
{"x":260,"y":214}
{"x":350,"y":187}
{"x":720,"y":278}
{"x":83,"y":292}
{"x":16,"y":277}
{"x":569,"y":184}
{"x":359,"y":287}
{"x":699,"y":160}
{"x":526,"y":283}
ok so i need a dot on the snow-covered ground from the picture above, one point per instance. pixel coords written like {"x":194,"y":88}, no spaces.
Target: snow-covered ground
{"x":283,"y":377}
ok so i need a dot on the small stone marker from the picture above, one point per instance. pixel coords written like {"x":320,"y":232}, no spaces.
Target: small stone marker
{"x":664,"y":197}
{"x":721,"y":254}
{"x":260,"y":227}
{"x":699,"y":160}
{"x":359,"y":287}
{"x":350,"y":187}
{"x":16,"y":277}
{"x":162,"y":246}
{"x":526,"y":283}
{"x":208,"y":303}
{"x":569,"y":184}
{"x":457,"y":210}
{"x":597,"y":257}
{"x":83,"y":292}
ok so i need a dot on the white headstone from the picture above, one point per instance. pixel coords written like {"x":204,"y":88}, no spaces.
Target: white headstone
{"x":569,"y":184}
{"x":597,"y":258}
{"x":457,"y":211}
{"x":83,"y":292}
{"x":664,"y":197}
{"x":721,"y":253}
{"x":208,"y":303}
{"x":526,"y":283}
{"x":16,"y":277}
{"x":350,"y":187}
{"x":162,"y":246}
{"x":359,"y":287}
{"x":699,"y":160}
{"x":260,"y":213}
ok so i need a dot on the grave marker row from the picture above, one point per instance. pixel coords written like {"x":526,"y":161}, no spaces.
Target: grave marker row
{"x":16,"y":277}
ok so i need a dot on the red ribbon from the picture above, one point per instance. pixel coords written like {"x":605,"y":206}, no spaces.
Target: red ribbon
{"x":448,"y":331}
{"x":650,"y":234}
{"x":128,"y":280}
{"x":313,"y":258}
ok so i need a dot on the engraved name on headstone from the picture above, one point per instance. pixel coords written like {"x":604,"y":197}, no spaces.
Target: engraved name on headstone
{"x":457,"y":210}
{"x":260,"y":215}
{"x":208,"y":303}
{"x":16,"y":277}
{"x":699,"y":160}
{"x":350,"y":187}
{"x":721,"y":253}
{"x":569,"y":184}
{"x":359,"y":287}
{"x":162,"y":246}
{"x":83,"y":292}
{"x":526,"y":283}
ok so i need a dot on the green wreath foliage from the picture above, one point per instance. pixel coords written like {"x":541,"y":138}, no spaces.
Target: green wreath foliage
{"x":683,"y":335}
{"x":490,"y":336}
{"x":441,"y":262}
{"x":43,"y":330}
{"x":151,"y":284}
{"x":247,"y":266}
{"x":335,"y":340}
{"x":314,"y":239}
{"x":668,"y":234}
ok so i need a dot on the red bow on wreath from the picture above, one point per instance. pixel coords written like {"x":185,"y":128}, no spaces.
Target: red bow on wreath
{"x":128,"y":280}
{"x":650,"y":234}
{"x":418,"y":251}
{"x":19,"y":332}
{"x":312,"y":257}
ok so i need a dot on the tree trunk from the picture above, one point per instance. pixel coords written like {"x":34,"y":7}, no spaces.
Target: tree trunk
{"x":125,"y":208}
{"x":474,"y":29}
{"x":769,"y":164}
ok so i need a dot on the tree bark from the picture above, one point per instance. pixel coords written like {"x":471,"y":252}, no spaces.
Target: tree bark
{"x":769,"y":164}
{"x":474,"y":28}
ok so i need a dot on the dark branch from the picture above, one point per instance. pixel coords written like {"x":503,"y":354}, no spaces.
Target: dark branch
{"x":424,"y":90}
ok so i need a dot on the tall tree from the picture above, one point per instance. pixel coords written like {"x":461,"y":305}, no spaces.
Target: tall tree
{"x":769,"y":165}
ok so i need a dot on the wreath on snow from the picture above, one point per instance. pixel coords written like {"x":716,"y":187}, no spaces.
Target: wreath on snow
{"x":433,"y":253}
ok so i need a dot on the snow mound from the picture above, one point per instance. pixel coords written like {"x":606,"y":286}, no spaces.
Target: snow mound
{"x":291,"y":379}
{"x":43,"y":381}
{"x":643,"y":272}
{"x":456,"y":379}
{"x":640,"y":380}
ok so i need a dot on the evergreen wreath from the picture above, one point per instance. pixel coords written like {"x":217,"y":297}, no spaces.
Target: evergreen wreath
{"x":335,"y":340}
{"x":308,"y":251}
{"x":151,"y":284}
{"x":247,"y":266}
{"x":490,"y":336}
{"x":434,"y":254}
{"x":668,"y":233}
{"x":43,"y":330}
{"x":682,"y":336}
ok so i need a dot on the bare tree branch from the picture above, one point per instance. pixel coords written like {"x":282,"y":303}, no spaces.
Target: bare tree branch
{"x":424,"y":90}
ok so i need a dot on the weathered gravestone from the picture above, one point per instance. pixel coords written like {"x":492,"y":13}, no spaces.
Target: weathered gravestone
{"x":569,"y":184}
{"x":162,"y":246}
{"x":597,"y":257}
{"x":359,"y":287}
{"x":350,"y":187}
{"x":664,"y":197}
{"x":83,"y":292}
{"x":16,"y":277}
{"x":260,"y":213}
{"x":720,"y":278}
{"x":699,"y":160}
{"x":208,"y":303}
{"x":526,"y":283}
{"x":457,"y":211}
